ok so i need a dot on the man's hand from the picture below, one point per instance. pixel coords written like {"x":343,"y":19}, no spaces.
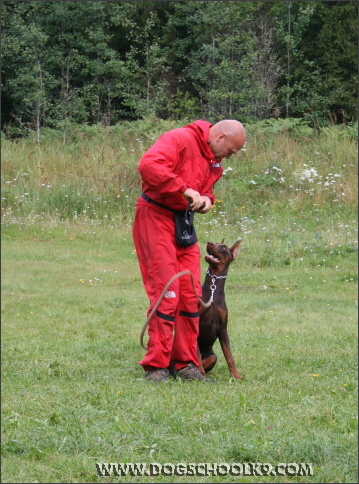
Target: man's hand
{"x":199,"y":203}
{"x":206,"y":206}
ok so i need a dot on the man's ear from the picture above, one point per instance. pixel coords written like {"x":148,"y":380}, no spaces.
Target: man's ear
{"x":221,"y":137}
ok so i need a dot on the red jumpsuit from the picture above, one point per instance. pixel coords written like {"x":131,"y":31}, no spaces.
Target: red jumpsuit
{"x":178,"y":160}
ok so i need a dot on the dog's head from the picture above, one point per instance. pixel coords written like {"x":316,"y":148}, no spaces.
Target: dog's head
{"x":219,"y":256}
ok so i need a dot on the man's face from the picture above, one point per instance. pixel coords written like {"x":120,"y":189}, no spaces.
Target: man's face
{"x":225,"y":146}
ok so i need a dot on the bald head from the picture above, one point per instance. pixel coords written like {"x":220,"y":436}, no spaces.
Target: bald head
{"x":226,"y":138}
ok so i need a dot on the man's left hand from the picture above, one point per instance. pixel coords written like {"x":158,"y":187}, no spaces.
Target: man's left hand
{"x":206,"y":205}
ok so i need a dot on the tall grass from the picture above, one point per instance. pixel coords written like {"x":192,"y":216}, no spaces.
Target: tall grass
{"x":281,"y":170}
{"x":291,"y":192}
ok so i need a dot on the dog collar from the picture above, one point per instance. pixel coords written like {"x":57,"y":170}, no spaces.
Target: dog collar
{"x":213,"y":286}
{"x":214,"y":276}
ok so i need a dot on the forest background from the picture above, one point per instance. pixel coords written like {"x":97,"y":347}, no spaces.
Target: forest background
{"x":67,"y":63}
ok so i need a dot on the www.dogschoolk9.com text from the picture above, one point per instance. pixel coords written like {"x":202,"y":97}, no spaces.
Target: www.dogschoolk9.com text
{"x":204,"y":469}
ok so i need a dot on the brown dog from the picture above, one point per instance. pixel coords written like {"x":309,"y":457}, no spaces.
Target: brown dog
{"x":213,"y":320}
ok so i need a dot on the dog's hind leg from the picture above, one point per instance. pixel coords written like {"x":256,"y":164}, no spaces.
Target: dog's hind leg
{"x":209,"y":361}
{"x":200,"y":366}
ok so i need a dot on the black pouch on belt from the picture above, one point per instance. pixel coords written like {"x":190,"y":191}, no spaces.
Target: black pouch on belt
{"x":184,"y":229}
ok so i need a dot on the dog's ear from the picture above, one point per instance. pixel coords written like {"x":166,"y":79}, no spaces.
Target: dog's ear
{"x":235,"y":248}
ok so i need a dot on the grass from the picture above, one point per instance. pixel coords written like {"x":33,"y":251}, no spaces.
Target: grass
{"x":95,"y":175}
{"x":73,"y":393}
{"x":73,"y":306}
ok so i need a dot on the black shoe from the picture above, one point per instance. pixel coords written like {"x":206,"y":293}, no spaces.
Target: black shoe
{"x":157,"y":375}
{"x":191,"y":372}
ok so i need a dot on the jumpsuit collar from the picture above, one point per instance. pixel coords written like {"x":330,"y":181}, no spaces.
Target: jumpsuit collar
{"x":202,"y":130}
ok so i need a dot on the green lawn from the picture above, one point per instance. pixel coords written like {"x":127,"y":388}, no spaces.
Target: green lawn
{"x":73,"y":394}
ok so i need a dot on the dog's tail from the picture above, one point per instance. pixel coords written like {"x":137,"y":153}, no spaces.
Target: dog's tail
{"x":176,"y":276}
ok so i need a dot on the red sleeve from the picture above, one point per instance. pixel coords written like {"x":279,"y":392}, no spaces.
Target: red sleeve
{"x":158,"y":165}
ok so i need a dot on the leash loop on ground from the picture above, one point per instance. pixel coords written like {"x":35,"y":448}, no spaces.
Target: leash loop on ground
{"x":171,"y":281}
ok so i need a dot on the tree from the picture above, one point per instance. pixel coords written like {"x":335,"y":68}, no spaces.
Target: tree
{"x":225,"y":68}
{"x":65,"y":63}
{"x":148,"y":57}
{"x":317,"y":42}
{"x":28,"y":87}
{"x":265,"y":69}
{"x":337,"y":43}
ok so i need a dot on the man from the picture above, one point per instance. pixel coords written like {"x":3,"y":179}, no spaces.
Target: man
{"x":180,"y":169}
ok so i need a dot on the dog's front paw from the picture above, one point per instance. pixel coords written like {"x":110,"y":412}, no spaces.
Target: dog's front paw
{"x":237,"y":375}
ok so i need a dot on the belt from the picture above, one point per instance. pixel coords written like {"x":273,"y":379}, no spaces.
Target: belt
{"x":148,"y":199}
